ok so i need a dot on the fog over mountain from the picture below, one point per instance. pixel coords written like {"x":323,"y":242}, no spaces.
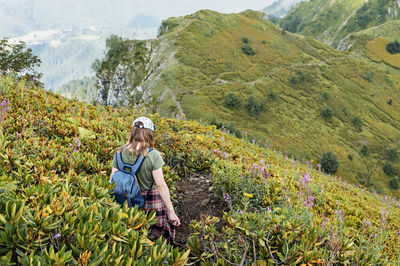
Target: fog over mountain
{"x":69,"y":35}
{"x":280,"y":8}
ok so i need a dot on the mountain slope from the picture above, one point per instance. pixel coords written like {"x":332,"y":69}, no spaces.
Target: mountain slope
{"x":55,"y":205}
{"x":358,"y":40}
{"x":331,"y":21}
{"x":295,"y":81}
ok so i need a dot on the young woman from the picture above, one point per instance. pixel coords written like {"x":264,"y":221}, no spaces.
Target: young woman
{"x":159,"y":200}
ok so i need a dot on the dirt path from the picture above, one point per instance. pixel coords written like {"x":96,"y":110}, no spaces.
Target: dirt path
{"x":195,"y":199}
{"x":178,"y":104}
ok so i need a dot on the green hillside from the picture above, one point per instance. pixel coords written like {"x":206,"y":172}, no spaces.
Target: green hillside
{"x":55,"y":206}
{"x":357,"y":41}
{"x":294,"y":94}
{"x":331,"y":21}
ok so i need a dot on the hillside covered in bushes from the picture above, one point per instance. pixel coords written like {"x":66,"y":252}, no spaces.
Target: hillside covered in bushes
{"x":55,"y":206}
{"x":333,"y":21}
{"x":286,"y":91}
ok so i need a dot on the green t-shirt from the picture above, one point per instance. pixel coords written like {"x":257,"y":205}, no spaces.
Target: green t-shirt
{"x":152,"y":162}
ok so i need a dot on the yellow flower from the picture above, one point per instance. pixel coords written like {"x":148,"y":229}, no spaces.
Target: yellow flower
{"x":199,"y":138}
{"x":122,"y":215}
{"x":248,"y":195}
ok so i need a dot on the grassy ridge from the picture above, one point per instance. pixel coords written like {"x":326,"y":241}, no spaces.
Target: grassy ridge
{"x":358,"y":40}
{"x":305,"y":75}
{"x":331,"y":21}
{"x":56,"y":154}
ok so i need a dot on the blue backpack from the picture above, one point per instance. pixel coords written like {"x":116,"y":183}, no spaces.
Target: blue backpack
{"x":127,"y":187}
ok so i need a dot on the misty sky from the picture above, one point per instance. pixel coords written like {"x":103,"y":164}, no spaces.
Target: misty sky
{"x":19,"y":17}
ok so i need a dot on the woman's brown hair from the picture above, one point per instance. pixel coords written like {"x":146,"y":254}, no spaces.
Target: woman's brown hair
{"x":142,"y":136}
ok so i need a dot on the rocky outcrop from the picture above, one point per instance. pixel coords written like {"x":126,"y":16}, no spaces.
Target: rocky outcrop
{"x":132,"y":81}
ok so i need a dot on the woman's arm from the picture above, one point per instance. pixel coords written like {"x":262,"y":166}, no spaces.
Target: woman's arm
{"x":162,"y":188}
{"x":113,"y":170}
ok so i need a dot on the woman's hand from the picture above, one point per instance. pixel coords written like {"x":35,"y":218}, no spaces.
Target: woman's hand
{"x":173,"y":218}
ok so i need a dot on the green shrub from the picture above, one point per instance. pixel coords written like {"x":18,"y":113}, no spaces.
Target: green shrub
{"x":245,"y":39}
{"x":327,"y":113}
{"x":350,"y":157}
{"x":364,"y":151}
{"x":392,"y":155}
{"x":394,"y":183}
{"x":254,"y":107}
{"x":247,"y":49}
{"x":357,"y":123}
{"x":329,"y":163}
{"x":368,"y":76}
{"x":300,"y":78}
{"x":167,"y":26}
{"x":291,"y":24}
{"x":325,"y":96}
{"x":389,"y":170}
{"x":230,"y":128}
{"x":272,"y":95}
{"x":393,"y":47}
{"x":232,"y":101}
{"x":390,"y":102}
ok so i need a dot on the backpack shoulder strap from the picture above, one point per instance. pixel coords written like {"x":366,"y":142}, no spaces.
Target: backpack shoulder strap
{"x":135,"y":168}
{"x":120,"y":163}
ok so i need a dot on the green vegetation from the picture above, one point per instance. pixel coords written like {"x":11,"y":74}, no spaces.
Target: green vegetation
{"x":167,"y":26}
{"x":116,"y":50}
{"x":326,"y":96}
{"x":247,"y":49}
{"x":245,"y":39}
{"x":18,"y":58}
{"x":272,"y":96}
{"x":253,"y":107}
{"x":394,"y":183}
{"x":332,"y":21}
{"x":377,"y":52}
{"x":329,"y":163}
{"x":205,"y":69}
{"x":357,"y":123}
{"x":365,"y":151}
{"x":389,"y":170}
{"x":327,"y":113}
{"x":55,"y":205}
{"x":392,"y":155}
{"x":368,"y":76}
{"x":232,"y":101}
{"x":299,"y":79}
{"x":393,"y":47}
{"x":55,"y":194}
{"x":226,"y":127}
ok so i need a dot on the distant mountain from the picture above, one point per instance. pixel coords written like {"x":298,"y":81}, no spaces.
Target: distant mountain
{"x":280,"y":8}
{"x":68,"y":42}
{"x":288,"y":91}
{"x":68,"y":54}
{"x":331,"y":21}
{"x":21,"y":17}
